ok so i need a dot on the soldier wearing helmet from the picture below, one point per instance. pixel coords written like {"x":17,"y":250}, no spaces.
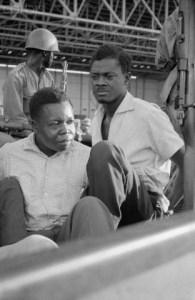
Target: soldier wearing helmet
{"x":28,"y":77}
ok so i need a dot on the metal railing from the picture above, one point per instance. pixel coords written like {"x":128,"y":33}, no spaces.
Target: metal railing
{"x":145,"y":261}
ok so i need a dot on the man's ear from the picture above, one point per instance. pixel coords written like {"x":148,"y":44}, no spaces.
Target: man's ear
{"x":127,"y":78}
{"x":33,"y":124}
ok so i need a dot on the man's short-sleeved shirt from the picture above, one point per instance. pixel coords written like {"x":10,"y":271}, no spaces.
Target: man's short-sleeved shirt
{"x":21,"y":83}
{"x":51,"y":185}
{"x":146,"y":135}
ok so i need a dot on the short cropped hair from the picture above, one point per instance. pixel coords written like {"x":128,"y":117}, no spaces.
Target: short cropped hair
{"x":116,"y":52}
{"x":47,"y":95}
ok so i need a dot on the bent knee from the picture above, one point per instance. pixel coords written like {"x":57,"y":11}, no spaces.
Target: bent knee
{"x":39,"y":242}
{"x":88,"y":201}
{"x":10,"y":181}
{"x":91,"y":204}
{"x":102,"y":148}
{"x":103,"y":152}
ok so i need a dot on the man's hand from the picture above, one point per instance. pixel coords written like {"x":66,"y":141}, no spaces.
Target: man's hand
{"x":175,"y":189}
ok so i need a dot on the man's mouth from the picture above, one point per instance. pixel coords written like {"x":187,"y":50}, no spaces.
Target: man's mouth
{"x":101,"y":93}
{"x":68,"y":138}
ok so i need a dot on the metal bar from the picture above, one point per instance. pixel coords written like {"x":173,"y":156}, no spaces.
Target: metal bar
{"x":73,"y":18}
{"x":132,"y":11}
{"x":98,"y":13}
{"x":187,"y":51}
{"x":152,"y":13}
{"x":112,"y":12}
{"x":67,"y":9}
{"x":124,"y":12}
{"x":52,"y":7}
{"x":141,"y":13}
{"x":75,"y":7}
{"x":176,"y":2}
{"x":153,"y":9}
{"x":160,"y":8}
{"x":111,"y":15}
{"x":80,"y":7}
{"x":89,"y":269}
{"x":83,"y":29}
{"x":137,"y":50}
{"x":99,"y":31}
{"x":166,"y":8}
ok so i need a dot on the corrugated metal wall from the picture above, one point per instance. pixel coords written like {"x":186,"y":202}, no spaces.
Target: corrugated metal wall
{"x":81,"y":96}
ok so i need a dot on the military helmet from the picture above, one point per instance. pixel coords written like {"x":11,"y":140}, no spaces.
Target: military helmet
{"x":42,"y":39}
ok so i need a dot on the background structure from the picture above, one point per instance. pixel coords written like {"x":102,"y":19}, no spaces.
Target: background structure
{"x":82,"y":25}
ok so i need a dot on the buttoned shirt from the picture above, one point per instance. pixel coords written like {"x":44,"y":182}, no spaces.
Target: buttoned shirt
{"x":147,"y":137}
{"x":51,"y":185}
{"x":22,"y":82}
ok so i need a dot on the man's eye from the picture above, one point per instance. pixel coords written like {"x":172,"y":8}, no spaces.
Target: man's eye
{"x":54,"y":123}
{"x":70,"y":121}
{"x":94,"y":76}
{"x":110,"y":77}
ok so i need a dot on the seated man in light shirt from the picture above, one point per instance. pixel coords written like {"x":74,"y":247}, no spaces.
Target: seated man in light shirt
{"x":141,"y":133}
{"x":42,"y":178}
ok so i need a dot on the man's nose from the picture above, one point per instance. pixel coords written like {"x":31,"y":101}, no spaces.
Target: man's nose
{"x":64,"y":127}
{"x":101,"y":80}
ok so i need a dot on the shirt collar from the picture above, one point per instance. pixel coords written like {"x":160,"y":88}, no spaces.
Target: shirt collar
{"x":30,"y":145}
{"x":126,"y":105}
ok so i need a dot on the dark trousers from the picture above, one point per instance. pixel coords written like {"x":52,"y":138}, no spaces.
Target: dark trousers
{"x":12,"y":223}
{"x":113,"y":180}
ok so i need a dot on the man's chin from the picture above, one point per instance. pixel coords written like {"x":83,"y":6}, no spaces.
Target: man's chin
{"x":102,"y":101}
{"x":47,"y":65}
{"x":64,"y":145}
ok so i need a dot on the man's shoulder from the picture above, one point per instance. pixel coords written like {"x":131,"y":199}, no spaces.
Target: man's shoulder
{"x":78,"y":154}
{"x":146,"y":107}
{"x":12,"y":147}
{"x":145,"y":103}
{"x":20,"y":68}
{"x":81,"y":148}
{"x":18,"y":73}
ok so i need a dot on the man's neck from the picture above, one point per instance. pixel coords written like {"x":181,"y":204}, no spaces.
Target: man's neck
{"x":42,"y":148}
{"x":35,"y":66}
{"x":37,"y":69}
{"x":111,"y":107}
